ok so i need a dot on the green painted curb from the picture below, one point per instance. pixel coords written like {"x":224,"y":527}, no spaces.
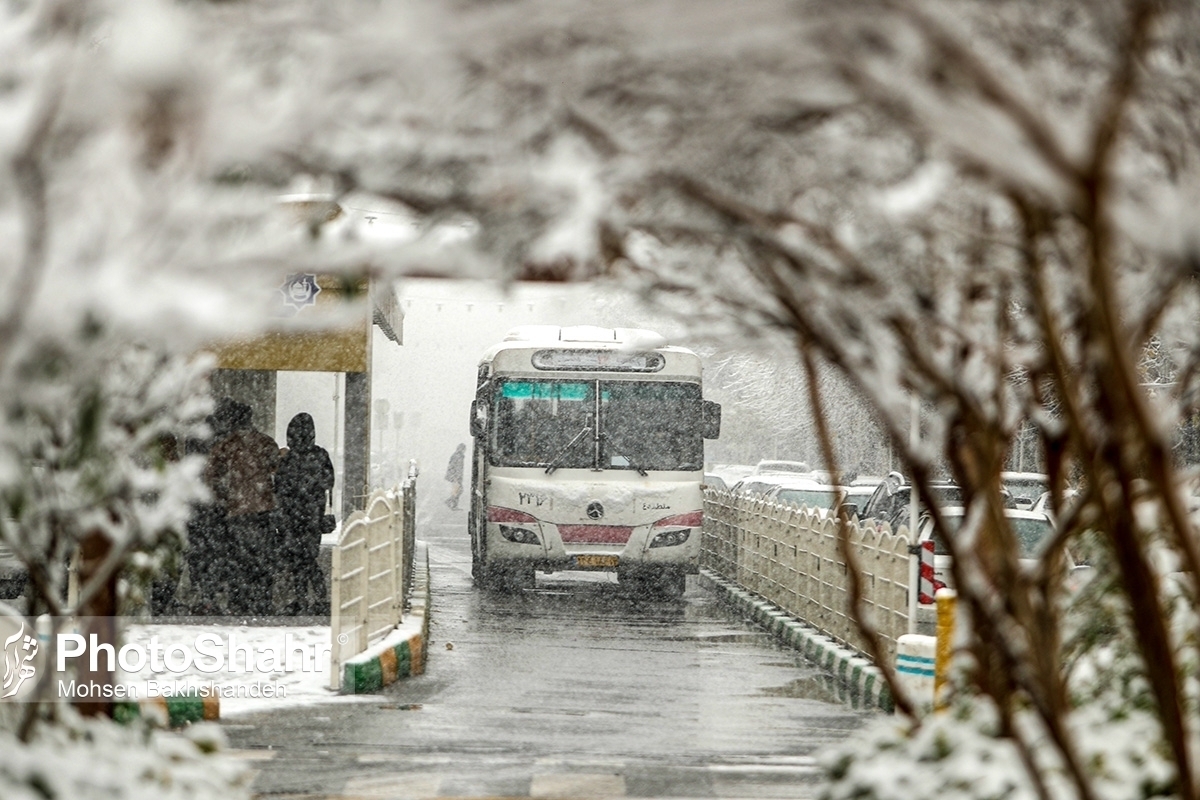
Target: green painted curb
{"x":854,"y":673}
{"x":367,"y":674}
{"x":180,"y":709}
{"x":363,"y":677}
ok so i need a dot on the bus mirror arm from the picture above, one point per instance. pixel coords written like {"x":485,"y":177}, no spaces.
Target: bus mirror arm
{"x":479,"y":418}
{"x":710,"y":419}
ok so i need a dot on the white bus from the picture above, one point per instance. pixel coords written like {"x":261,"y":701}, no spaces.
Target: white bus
{"x":588,"y":455}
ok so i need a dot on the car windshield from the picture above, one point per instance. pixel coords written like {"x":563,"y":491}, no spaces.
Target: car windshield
{"x":643,"y":425}
{"x":1032,"y":534}
{"x":781,"y":467}
{"x":1027,"y":489}
{"x":759,"y":487}
{"x":946,"y":495}
{"x":814,"y":498}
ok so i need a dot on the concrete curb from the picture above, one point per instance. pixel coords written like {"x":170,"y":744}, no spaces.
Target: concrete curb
{"x":402,"y":653}
{"x":857,"y":675}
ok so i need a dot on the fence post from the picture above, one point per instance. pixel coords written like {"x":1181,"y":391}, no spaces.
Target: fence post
{"x":364,"y":590}
{"x":947,"y":601}
{"x":335,"y":616}
{"x":409,"y":490}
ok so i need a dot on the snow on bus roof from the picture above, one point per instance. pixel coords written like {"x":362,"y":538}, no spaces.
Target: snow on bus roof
{"x":629,"y":337}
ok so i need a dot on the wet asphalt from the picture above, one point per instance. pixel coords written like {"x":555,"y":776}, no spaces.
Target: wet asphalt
{"x":576,"y":688}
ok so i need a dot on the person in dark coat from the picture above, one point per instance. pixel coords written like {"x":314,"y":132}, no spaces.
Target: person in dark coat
{"x":302,"y":485}
{"x":241,"y":472}
{"x":210,"y":554}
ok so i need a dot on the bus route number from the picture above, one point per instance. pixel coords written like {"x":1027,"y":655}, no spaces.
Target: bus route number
{"x":535,"y":500}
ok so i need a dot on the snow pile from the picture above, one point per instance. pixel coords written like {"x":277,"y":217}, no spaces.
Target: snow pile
{"x":285,"y":674}
{"x":97,"y":759}
{"x":962,"y":754}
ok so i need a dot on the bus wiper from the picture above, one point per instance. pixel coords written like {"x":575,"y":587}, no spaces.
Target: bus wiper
{"x":554,"y":462}
{"x":640,"y":469}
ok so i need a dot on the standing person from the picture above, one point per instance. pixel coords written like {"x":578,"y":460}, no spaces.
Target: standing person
{"x":302,"y":486}
{"x":454,"y":474}
{"x":205,"y":533}
{"x":241,"y":471}
{"x":210,"y":551}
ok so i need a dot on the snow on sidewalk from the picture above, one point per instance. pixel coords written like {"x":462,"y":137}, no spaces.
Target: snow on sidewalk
{"x":290,"y":664}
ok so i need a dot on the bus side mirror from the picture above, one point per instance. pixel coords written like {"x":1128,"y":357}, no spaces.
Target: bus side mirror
{"x":479,"y":418}
{"x":710,"y":419}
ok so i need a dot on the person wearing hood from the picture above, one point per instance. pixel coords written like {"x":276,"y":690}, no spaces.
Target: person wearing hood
{"x":302,"y":486}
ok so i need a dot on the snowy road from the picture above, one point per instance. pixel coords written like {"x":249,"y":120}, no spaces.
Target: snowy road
{"x":574,"y":689}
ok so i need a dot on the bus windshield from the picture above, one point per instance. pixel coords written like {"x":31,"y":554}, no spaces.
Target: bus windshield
{"x":642,"y":425}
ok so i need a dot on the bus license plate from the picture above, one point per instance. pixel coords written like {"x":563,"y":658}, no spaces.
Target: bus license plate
{"x":596,"y":562}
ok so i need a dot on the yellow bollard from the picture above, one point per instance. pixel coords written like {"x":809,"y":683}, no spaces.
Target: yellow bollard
{"x":947,"y":600}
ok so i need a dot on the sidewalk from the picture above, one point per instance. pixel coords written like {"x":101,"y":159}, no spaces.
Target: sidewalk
{"x":291,"y":665}
{"x":221,"y":668}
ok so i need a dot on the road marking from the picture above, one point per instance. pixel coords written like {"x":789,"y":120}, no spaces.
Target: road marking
{"x":578,"y":784}
{"x":406,"y":786}
{"x":770,"y":764}
{"x":764,"y":768}
{"x":391,"y":758}
{"x":251,"y":755}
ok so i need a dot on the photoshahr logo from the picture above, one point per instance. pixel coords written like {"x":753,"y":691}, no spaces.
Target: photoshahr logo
{"x":20,"y":649}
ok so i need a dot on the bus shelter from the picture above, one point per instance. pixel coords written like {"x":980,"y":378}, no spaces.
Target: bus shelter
{"x":247,"y":370}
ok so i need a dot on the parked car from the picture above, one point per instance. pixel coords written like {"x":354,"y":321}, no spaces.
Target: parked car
{"x":715,"y":481}
{"x":817,"y":490}
{"x":1043,"y":502}
{"x":859,"y":492}
{"x":760,"y":484}
{"x":1025,"y":487}
{"x":1033,"y":530}
{"x":890,"y":501}
{"x":801,"y":491}
{"x":728,"y":474}
{"x":776,"y":467}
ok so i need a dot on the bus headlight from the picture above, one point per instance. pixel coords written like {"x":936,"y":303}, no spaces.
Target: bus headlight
{"x":515,"y":526}
{"x":674,"y":531}
{"x":671,"y":538}
{"x":519,"y":535}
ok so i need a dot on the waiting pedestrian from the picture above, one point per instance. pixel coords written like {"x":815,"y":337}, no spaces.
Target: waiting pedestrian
{"x":454,"y":474}
{"x":302,"y":486}
{"x":241,"y":471}
{"x":211,"y":558}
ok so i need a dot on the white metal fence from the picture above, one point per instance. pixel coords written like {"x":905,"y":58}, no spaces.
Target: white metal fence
{"x":790,"y":556}
{"x":371,"y":573}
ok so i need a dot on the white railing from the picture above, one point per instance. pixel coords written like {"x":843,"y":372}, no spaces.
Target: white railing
{"x":790,"y":556}
{"x":370,"y":574}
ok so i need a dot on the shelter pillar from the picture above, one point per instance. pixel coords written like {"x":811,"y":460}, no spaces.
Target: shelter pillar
{"x":356,"y":431}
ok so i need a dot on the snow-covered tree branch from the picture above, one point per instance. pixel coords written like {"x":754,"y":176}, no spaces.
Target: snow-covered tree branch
{"x":987,"y":206}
